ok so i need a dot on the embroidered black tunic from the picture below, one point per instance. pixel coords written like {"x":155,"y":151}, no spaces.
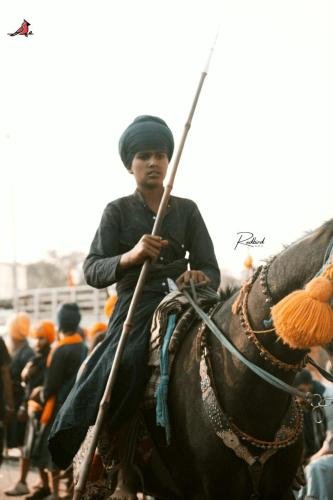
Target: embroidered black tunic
{"x":123,"y":223}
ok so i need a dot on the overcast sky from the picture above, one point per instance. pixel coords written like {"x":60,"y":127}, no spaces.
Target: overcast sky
{"x":258,"y":156}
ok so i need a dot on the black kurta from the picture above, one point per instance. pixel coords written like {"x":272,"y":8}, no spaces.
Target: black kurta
{"x":16,"y":429}
{"x":123,"y":223}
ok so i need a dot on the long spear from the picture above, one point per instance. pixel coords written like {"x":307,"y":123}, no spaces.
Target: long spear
{"x":128,"y":323}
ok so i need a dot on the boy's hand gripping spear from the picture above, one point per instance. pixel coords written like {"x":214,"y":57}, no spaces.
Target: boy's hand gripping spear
{"x":79,"y":489}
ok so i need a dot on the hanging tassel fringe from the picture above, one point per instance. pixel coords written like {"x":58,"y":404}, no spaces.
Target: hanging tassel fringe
{"x":304,"y":318}
{"x":161,"y":394}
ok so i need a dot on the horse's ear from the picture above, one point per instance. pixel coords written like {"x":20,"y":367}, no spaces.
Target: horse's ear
{"x":305,"y":318}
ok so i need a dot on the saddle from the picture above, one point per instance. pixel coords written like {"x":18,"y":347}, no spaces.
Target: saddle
{"x":163,"y":344}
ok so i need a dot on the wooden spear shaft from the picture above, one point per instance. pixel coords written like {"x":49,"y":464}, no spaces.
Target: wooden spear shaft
{"x":127,"y":326}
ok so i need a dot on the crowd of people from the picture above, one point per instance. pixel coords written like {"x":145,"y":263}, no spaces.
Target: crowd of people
{"x":38,"y":366}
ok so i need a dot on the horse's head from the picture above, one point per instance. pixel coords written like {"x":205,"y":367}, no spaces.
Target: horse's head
{"x":303,"y":318}
{"x":300,"y":262}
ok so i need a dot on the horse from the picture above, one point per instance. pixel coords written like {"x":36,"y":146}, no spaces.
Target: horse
{"x":264,"y":451}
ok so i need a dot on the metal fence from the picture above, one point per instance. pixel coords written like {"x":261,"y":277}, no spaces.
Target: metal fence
{"x":43,"y":303}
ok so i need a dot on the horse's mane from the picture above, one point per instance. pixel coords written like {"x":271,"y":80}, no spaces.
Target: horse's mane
{"x":227,"y":292}
{"x":328,"y":225}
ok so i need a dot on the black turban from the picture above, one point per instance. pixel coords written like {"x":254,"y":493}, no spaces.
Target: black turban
{"x":69,"y":317}
{"x":146,"y":133}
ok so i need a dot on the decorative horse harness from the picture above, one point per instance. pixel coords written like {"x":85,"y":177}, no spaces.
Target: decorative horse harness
{"x":233,"y":437}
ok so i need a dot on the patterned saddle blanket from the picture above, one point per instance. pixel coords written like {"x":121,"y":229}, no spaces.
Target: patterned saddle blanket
{"x":175,"y":303}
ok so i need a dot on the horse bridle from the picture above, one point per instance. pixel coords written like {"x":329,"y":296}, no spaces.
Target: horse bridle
{"x":269,"y":301}
{"x":262,"y":273}
{"x":251,"y":334}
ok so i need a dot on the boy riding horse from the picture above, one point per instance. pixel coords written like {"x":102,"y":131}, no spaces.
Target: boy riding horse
{"x":122,"y":243}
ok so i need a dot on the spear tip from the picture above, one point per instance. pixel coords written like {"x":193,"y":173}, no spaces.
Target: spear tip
{"x":211,"y":51}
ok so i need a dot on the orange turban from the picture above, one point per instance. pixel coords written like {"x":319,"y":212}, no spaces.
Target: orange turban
{"x":110,"y":305}
{"x":18,"y":326}
{"x":96,"y":329}
{"x":44,"y":329}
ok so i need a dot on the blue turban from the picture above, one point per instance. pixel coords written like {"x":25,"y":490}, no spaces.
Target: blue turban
{"x":68,"y":317}
{"x":146,"y":133}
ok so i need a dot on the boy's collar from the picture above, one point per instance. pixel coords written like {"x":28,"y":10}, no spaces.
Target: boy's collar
{"x":138,"y":195}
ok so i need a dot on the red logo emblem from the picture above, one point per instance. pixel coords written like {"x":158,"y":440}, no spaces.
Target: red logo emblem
{"x":23,"y":29}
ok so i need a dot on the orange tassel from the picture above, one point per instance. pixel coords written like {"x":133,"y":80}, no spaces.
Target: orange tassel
{"x":304,"y":318}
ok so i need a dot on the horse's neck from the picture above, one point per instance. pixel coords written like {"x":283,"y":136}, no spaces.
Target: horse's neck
{"x":244,"y":395}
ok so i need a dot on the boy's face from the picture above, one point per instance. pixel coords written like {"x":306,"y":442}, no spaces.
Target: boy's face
{"x":149,"y":168}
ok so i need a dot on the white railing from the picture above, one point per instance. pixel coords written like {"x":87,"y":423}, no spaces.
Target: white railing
{"x":43,"y":303}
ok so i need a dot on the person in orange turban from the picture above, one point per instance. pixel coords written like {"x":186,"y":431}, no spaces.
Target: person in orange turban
{"x":33,"y":373}
{"x":44,"y":329}
{"x":18,"y":326}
